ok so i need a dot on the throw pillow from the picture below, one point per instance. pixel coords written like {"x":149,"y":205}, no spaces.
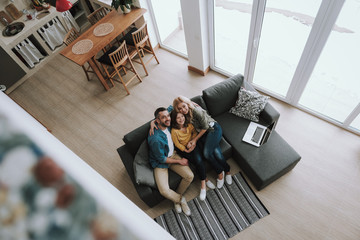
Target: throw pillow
{"x":144,"y":173}
{"x":249,"y":104}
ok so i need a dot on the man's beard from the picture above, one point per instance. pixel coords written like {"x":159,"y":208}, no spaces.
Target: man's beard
{"x":164,"y":125}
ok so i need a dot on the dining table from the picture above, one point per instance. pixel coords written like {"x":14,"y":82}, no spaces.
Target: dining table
{"x":94,"y":43}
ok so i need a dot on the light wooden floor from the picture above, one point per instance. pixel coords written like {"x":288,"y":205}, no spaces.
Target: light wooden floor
{"x":318,"y":199}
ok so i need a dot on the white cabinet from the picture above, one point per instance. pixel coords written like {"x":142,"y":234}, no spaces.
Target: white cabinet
{"x":8,"y":45}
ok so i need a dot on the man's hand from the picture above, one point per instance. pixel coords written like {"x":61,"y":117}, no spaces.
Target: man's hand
{"x":152,"y":126}
{"x":183,"y":162}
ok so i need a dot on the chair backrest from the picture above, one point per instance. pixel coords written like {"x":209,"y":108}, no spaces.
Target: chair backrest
{"x":71,"y":36}
{"x":119,"y":56}
{"x":97,"y":15}
{"x":140,"y":36}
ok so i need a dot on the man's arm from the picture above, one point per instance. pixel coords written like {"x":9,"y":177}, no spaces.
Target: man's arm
{"x":156,"y":151}
{"x":182,"y":161}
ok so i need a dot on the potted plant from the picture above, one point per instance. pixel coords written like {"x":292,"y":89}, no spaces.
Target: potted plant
{"x":125,"y":5}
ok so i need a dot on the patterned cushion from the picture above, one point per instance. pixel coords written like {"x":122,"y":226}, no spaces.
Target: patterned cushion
{"x":249,"y":104}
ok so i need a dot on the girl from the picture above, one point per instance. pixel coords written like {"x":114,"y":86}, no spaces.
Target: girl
{"x":182,"y":132}
{"x":209,"y":133}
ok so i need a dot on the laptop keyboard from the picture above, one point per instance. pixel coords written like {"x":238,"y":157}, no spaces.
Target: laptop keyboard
{"x":257,"y":134}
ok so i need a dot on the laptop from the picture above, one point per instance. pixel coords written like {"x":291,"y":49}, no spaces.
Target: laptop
{"x":257,"y":134}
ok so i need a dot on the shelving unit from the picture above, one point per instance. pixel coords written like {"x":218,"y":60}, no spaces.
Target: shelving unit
{"x":30,"y":31}
{"x":80,"y":12}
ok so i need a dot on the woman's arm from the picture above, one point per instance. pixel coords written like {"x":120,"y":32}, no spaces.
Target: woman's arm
{"x":152,"y":126}
{"x":192,"y":143}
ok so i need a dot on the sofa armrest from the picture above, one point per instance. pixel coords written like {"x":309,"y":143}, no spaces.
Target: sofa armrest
{"x":149,"y":195}
{"x":269,"y":115}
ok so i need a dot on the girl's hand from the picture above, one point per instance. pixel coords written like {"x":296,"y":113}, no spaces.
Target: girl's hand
{"x":152,"y":126}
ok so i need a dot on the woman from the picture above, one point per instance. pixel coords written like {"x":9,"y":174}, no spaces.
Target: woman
{"x":182,"y":132}
{"x":209,"y":133}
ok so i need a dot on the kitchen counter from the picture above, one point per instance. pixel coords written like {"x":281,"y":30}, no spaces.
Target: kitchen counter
{"x":8,"y":44}
{"x":30,"y":27}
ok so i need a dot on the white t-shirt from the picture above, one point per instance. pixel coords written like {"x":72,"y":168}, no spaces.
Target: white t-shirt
{"x":170,"y":142}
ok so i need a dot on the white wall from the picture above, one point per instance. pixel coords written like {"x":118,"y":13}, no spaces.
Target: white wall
{"x":132,"y":218}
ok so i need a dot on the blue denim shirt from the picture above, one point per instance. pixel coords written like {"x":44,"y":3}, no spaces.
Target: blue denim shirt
{"x":158,"y":149}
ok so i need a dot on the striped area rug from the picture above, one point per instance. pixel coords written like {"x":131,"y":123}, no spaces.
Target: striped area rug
{"x":224,"y":213}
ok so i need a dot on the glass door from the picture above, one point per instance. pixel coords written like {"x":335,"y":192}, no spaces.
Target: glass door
{"x":169,"y":25}
{"x":285,"y":29}
{"x":333,"y":89}
{"x":231,"y":27}
{"x":302,"y":52}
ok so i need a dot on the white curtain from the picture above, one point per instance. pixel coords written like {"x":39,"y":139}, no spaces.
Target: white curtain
{"x":70,"y":21}
{"x":29,"y":52}
{"x":54,"y":34}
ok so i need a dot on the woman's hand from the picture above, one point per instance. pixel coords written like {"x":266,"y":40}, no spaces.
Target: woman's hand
{"x":191,"y":144}
{"x":195,"y":104}
{"x":152,"y":126}
{"x":189,"y":150}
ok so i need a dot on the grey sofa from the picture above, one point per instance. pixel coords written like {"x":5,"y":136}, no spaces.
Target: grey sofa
{"x":261,"y":165}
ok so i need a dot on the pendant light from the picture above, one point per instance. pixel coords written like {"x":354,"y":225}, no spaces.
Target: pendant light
{"x":63,"y":5}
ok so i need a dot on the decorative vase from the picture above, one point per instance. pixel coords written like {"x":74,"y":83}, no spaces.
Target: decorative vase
{"x":126,"y":8}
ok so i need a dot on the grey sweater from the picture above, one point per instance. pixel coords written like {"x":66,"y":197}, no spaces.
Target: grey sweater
{"x":201,"y":119}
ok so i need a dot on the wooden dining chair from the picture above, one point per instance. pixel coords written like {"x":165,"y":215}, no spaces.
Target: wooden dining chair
{"x":98,"y":14}
{"x":115,"y":60}
{"x":71,"y":35}
{"x":142,"y":44}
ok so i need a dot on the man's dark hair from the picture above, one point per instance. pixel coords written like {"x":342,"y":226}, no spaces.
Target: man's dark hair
{"x":157,"y":111}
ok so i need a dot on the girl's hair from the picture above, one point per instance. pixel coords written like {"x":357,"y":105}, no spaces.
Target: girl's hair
{"x":174,"y":124}
{"x":182,"y":99}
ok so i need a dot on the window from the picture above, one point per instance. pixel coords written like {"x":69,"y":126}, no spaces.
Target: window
{"x":334,"y":87}
{"x":231,"y":33}
{"x":169,"y":25}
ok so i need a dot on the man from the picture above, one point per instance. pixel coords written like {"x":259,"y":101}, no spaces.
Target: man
{"x":163,"y":157}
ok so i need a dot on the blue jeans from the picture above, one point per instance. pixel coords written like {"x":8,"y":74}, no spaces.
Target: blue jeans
{"x":195,"y":158}
{"x":212,"y":151}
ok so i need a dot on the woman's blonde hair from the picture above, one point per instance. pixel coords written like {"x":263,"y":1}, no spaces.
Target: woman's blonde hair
{"x":182,"y":99}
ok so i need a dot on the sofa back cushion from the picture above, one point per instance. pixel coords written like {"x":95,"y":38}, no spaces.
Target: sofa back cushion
{"x":222,"y":96}
{"x":134,"y":139}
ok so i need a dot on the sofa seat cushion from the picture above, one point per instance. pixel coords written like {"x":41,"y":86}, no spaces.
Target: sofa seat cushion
{"x":226,"y":148}
{"x":264,"y":164}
